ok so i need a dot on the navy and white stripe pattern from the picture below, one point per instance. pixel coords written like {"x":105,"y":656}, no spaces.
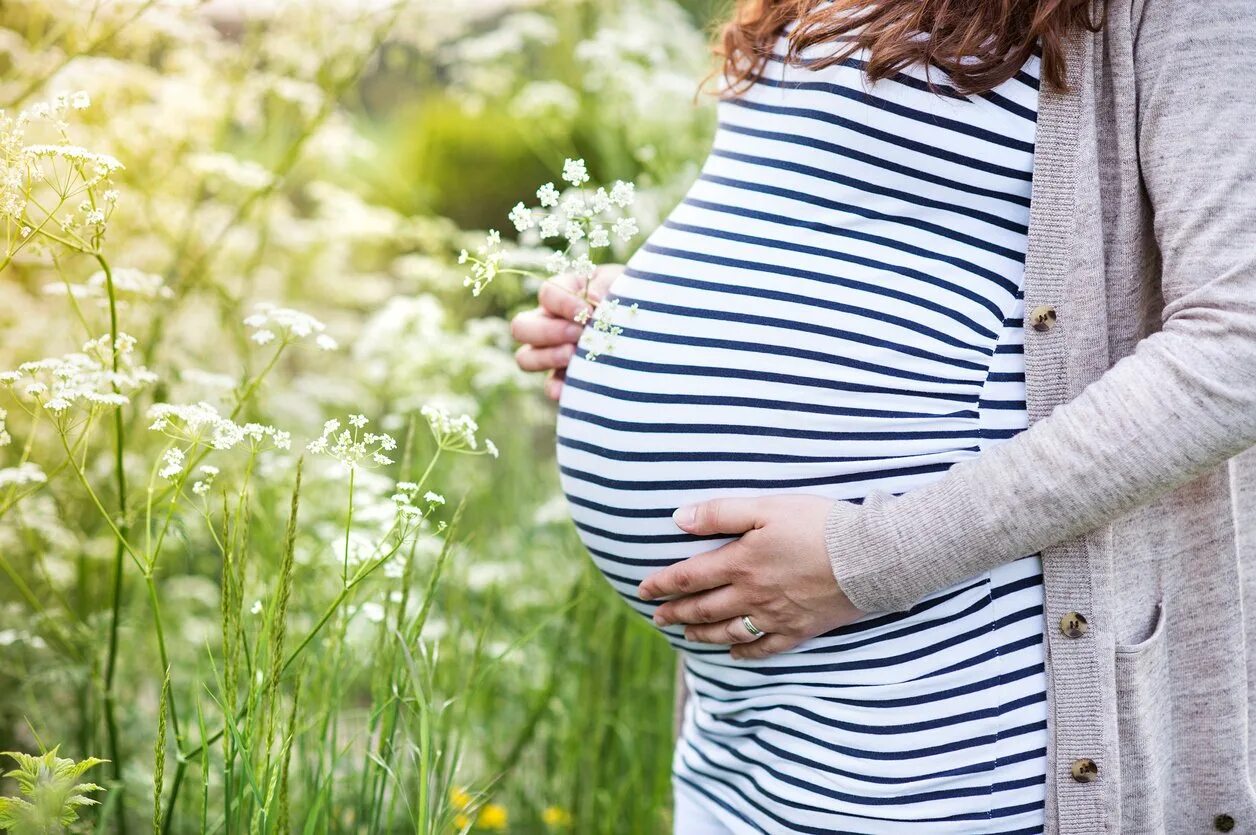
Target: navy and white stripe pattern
{"x":836,"y":306}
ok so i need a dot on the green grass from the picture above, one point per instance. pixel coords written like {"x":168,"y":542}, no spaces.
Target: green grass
{"x":238,"y":667}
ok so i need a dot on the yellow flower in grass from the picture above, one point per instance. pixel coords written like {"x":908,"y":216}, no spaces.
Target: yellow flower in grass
{"x":461,"y":821}
{"x":459,"y":797}
{"x":555,"y":817}
{"x":492,"y":816}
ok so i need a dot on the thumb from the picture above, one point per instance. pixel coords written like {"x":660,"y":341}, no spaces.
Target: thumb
{"x":718,"y":516}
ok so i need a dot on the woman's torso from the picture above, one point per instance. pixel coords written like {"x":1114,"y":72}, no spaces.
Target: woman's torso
{"x":834,"y":307}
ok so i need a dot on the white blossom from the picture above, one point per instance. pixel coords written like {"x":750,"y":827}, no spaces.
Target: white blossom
{"x":173,"y":463}
{"x":548,"y":195}
{"x":22,"y":475}
{"x":270,"y":322}
{"x":521,"y":217}
{"x":353,"y":448}
{"x":86,"y":378}
{"x":575,"y":172}
{"x":625,"y":228}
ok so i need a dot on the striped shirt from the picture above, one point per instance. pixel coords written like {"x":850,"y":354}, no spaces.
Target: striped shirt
{"x":834,"y":307}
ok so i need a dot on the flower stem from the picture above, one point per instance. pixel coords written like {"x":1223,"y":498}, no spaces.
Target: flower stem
{"x":120,"y":549}
{"x":344,"y":575}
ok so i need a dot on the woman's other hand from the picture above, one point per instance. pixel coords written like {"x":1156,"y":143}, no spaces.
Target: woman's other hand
{"x":777,"y":572}
{"x":549,"y":332}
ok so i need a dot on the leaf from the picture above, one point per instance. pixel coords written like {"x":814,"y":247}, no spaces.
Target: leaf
{"x":51,"y":793}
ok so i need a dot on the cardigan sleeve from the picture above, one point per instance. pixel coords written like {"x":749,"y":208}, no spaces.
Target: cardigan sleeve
{"x":1182,"y":402}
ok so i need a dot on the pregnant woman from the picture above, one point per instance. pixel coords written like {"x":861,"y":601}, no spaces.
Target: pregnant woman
{"x":864,"y":450}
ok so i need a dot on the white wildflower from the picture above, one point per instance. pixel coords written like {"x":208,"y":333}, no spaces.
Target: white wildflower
{"x":22,"y":475}
{"x":557,"y":263}
{"x":521,"y":217}
{"x":174,"y":464}
{"x":551,"y":226}
{"x":625,"y":228}
{"x":270,"y":322}
{"x":546,"y":101}
{"x":85,"y":378}
{"x":224,"y":168}
{"x":623,"y":194}
{"x":575,"y":172}
{"x":201,"y":487}
{"x":548,"y":195}
{"x":353,"y":448}
{"x":127,"y":283}
{"x":452,"y":433}
{"x":583,"y":267}
{"x":200,"y":424}
{"x":574,"y":204}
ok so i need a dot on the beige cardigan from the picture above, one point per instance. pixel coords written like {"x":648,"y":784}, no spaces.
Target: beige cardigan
{"x":1140,"y":351}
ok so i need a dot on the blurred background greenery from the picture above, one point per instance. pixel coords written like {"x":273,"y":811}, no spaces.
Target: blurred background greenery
{"x":333,"y":157}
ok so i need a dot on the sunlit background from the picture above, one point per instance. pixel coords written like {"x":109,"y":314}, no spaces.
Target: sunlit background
{"x":412,"y":641}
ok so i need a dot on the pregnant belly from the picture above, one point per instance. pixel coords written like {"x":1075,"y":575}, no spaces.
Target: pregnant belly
{"x":706,"y":394}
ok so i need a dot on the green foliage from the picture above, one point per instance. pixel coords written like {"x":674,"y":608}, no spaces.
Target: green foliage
{"x":51,"y":793}
{"x":264,"y":628}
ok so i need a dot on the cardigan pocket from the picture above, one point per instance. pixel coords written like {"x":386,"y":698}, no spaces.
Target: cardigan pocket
{"x":1145,"y":733}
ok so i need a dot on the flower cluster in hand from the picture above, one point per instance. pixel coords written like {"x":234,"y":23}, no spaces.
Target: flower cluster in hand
{"x":583,"y":219}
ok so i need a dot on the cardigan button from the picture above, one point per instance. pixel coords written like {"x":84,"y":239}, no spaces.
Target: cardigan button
{"x":1085,"y":770}
{"x":1042,"y":317}
{"x":1223,"y":822}
{"x":1073,"y":624}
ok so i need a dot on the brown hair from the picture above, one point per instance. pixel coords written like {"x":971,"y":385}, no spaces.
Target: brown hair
{"x":979,"y":43}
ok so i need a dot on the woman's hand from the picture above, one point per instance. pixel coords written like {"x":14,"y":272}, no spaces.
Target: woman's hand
{"x":777,"y":573}
{"x":550,"y":332}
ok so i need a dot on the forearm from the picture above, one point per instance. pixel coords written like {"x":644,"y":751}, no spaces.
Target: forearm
{"x":1182,"y":403}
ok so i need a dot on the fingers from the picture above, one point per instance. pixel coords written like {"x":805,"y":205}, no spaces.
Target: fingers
{"x":602,"y":280}
{"x":731,"y":631}
{"x":541,"y":329}
{"x":705,"y":571}
{"x":566,"y":295}
{"x":770,"y":644}
{"x":563,"y":296}
{"x":732,"y":516}
{"x":530,"y":358}
{"x":709,"y":607}
{"x":554,"y":383}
